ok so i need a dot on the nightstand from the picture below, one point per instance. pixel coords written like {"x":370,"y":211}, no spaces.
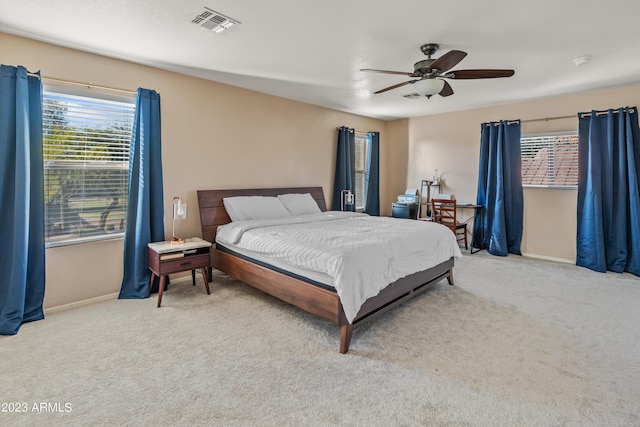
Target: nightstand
{"x":169,"y":257}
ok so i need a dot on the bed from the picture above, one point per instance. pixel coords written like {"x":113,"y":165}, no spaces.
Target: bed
{"x":303,"y":292}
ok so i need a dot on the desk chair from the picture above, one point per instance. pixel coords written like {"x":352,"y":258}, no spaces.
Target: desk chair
{"x":444,"y":212}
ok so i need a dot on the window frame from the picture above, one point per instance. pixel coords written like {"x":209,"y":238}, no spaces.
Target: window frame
{"x":573,"y":133}
{"x":365,"y":152}
{"x":75,"y":237}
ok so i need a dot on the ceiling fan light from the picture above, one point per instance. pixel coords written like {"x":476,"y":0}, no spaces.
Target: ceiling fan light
{"x":428,"y":87}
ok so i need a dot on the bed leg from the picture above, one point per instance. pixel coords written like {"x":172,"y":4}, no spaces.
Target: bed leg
{"x":346,"y":331}
{"x":450,"y":277}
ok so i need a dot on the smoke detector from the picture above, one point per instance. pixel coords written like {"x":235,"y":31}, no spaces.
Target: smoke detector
{"x":214,"y":21}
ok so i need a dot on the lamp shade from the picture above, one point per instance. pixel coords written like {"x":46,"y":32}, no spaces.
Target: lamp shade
{"x":179,"y":208}
{"x":429,"y":87}
{"x":348,"y":198}
{"x":179,"y":212}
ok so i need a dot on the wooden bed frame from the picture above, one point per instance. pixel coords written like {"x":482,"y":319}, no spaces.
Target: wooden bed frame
{"x":310,"y":297}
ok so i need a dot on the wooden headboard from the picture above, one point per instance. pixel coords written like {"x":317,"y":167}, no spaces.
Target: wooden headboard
{"x":213,"y":214}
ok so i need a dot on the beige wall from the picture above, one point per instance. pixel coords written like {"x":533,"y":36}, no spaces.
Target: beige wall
{"x":213,"y":136}
{"x":451,"y":143}
{"x":397,"y":157}
{"x":219,"y":136}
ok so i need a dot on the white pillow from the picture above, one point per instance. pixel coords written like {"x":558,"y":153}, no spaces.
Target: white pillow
{"x":299,"y":204}
{"x":242,"y":208}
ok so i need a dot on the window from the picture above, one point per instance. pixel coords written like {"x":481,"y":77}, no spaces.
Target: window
{"x":86,"y":165}
{"x":550,"y":160}
{"x":362,"y":148}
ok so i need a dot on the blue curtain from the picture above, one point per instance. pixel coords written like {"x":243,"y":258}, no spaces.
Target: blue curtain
{"x":608,"y":235}
{"x":498,"y":225}
{"x":145,"y":209}
{"x":345,"y":176}
{"x":22,"y":259}
{"x":372,"y":174}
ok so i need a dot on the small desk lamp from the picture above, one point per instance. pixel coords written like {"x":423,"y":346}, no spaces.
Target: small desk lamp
{"x":346,"y":198}
{"x":179,"y":212}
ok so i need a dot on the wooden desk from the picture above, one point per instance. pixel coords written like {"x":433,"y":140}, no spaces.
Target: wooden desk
{"x":168,"y":257}
{"x":470,"y":222}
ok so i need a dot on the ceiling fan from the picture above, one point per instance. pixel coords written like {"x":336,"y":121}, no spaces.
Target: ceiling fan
{"x":429,"y":73}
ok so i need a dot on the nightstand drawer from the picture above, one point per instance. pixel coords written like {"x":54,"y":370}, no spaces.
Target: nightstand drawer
{"x":185,"y":263}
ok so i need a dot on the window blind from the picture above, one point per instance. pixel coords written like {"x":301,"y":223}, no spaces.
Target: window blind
{"x":550,"y":160}
{"x":360,"y":166}
{"x":86,"y":162}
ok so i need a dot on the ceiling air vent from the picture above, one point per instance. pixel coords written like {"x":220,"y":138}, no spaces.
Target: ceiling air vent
{"x":214,"y":21}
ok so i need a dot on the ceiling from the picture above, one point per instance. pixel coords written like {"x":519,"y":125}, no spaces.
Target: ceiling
{"x":312,"y":51}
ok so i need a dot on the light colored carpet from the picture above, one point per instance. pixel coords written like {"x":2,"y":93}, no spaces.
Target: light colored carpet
{"x":515,"y":342}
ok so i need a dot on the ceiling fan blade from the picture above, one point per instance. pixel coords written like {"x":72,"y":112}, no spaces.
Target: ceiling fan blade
{"x":402,"y":73}
{"x":448,"y":60}
{"x":479,"y":74}
{"x":446,"y":90}
{"x":396,"y":86}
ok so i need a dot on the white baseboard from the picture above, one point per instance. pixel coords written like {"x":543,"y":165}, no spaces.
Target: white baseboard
{"x":80,"y":303}
{"x":550,"y":258}
{"x":102,"y":298}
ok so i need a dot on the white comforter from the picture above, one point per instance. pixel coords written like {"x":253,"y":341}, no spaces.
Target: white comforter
{"x":362,"y":253}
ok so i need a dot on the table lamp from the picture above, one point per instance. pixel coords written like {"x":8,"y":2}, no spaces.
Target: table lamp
{"x":346,"y":198}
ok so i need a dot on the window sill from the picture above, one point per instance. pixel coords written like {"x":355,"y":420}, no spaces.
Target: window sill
{"x":552,"y":187}
{"x":115,"y":236}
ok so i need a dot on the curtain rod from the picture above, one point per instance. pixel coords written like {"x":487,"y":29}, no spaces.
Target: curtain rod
{"x":604,"y":112}
{"x":546,"y":119}
{"x":509,"y":122}
{"x":87,"y":85}
{"x":587,"y":114}
{"x":358,"y":132}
